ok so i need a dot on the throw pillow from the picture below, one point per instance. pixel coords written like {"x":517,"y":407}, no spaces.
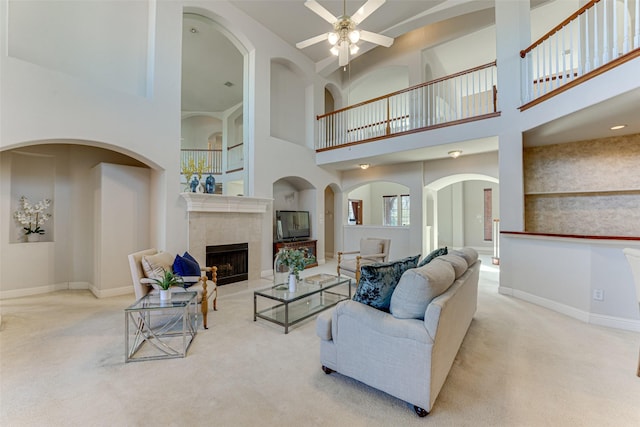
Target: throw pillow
{"x":154,"y":266}
{"x":185,"y":267}
{"x":378,"y":280}
{"x":418,"y":287}
{"x":436,"y":253}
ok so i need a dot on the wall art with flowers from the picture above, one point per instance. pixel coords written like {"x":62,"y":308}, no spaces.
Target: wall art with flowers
{"x":32,"y":217}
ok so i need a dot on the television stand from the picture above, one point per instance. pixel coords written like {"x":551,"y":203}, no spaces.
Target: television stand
{"x":309,"y":245}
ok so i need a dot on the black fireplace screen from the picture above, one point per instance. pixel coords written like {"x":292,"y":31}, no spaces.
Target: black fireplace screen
{"x":232,"y":262}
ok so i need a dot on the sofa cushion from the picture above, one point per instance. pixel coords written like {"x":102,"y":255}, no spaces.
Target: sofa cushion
{"x":469,"y":254}
{"x":457,"y":262}
{"x":435,"y":253}
{"x":418,"y":286}
{"x":154,"y":266}
{"x":378,"y":280}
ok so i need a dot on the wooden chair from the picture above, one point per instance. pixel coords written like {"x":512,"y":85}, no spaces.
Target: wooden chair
{"x":206,"y":289}
{"x":633,"y":256}
{"x":372,"y":250}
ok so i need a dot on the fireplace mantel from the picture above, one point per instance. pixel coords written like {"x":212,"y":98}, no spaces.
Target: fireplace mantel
{"x":202,"y":202}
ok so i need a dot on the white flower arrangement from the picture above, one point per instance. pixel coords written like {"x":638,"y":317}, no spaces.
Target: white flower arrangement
{"x":32,"y":217}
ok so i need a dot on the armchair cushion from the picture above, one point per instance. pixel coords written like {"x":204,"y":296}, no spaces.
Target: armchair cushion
{"x":154,"y":266}
{"x":371,"y":247}
{"x":378,"y":281}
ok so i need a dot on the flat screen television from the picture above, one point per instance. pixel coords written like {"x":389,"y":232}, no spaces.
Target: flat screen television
{"x":291,"y":225}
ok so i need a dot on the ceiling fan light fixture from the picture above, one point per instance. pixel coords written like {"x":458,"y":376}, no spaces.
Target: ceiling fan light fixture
{"x":333,"y":38}
{"x":353,"y":49}
{"x":354,"y":36}
{"x":334,"y":50}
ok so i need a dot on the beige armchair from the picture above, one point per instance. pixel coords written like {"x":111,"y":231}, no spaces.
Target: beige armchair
{"x":372,"y":250}
{"x":633,"y":256}
{"x":142,"y":285}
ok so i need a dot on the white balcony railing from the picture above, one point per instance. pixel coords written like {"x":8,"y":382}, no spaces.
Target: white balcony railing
{"x":465,"y":96}
{"x":598,"y":33}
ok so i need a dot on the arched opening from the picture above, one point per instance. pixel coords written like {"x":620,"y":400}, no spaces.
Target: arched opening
{"x":212,"y":105}
{"x":461,"y":210}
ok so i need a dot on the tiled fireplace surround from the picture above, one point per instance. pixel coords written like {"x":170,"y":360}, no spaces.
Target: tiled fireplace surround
{"x":222,"y":220}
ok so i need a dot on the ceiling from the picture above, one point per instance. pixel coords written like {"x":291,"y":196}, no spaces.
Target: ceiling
{"x":212,"y":65}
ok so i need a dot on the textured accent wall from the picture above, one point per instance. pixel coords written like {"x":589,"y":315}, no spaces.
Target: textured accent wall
{"x":584,"y":187}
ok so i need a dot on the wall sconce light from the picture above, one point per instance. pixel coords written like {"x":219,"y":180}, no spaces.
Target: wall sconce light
{"x":455,"y":153}
{"x":364,"y":166}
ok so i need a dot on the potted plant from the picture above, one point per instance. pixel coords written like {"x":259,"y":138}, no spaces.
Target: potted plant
{"x":295,"y":260}
{"x":168,"y":279}
{"x":32,"y":217}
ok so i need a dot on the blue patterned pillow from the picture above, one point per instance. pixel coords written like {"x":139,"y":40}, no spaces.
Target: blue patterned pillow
{"x":378,"y":281}
{"x":433,"y":255}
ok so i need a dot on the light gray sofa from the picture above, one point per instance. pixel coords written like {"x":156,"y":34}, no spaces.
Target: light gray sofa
{"x":408,"y":351}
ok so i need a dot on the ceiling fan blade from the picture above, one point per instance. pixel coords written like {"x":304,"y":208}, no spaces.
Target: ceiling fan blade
{"x":343,"y":58}
{"x":368,"y":36}
{"x":313,"y":40}
{"x":324,"y":13}
{"x":367,"y":9}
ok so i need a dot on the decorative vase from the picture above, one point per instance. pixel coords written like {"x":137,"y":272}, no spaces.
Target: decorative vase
{"x":165,"y":294}
{"x":210,"y":184}
{"x":292,"y":282}
{"x":194,"y":185}
{"x":33,"y":237}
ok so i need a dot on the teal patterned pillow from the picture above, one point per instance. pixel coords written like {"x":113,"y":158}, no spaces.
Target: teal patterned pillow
{"x":378,"y":281}
{"x":433,"y":255}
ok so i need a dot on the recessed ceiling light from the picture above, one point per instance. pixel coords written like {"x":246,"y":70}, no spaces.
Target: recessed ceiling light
{"x":616,"y":127}
{"x":364,"y":166}
{"x":194,"y":30}
{"x":455,"y":153}
{"x":228,"y":84}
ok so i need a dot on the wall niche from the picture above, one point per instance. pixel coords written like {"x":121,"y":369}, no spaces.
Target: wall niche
{"x":587,"y":188}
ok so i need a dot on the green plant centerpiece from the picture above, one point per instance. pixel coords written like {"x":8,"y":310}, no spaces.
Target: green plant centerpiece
{"x":169,"y":279}
{"x":294,"y":259}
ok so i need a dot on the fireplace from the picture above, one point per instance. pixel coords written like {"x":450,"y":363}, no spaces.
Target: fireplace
{"x":232,"y":262}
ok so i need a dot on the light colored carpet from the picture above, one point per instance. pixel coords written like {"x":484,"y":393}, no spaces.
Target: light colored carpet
{"x":62,"y":364}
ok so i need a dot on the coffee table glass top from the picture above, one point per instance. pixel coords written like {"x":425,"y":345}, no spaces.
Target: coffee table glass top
{"x":312,"y":296}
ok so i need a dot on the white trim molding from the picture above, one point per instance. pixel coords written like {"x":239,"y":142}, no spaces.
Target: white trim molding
{"x":202,"y":202}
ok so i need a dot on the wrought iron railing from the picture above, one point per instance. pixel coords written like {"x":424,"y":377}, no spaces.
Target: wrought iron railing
{"x":464,"y":96}
{"x":600,"y":32}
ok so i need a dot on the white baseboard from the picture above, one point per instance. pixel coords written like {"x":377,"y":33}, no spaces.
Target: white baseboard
{"x":25,"y":292}
{"x":115,"y":292}
{"x":584,"y":316}
{"x":17,"y":293}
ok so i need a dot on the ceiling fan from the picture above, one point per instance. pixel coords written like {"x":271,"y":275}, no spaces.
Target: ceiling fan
{"x":345,"y":34}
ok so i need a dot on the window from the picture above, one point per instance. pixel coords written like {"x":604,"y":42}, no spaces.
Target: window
{"x":393,"y":214}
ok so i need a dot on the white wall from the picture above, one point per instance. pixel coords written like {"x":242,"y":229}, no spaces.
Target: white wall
{"x":121,"y":209}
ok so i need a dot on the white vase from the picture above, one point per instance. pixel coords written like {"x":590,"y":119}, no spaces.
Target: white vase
{"x":292,"y":283}
{"x":165,"y":295}
{"x":33,"y":237}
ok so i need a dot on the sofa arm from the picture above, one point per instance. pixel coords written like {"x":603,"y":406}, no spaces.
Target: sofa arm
{"x":379,"y":321}
{"x":323,"y":324}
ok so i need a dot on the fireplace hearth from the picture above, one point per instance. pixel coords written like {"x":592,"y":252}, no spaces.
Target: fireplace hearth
{"x":232,"y":262}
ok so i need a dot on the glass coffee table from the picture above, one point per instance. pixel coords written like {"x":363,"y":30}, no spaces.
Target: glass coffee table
{"x":312,"y":295}
{"x":157,"y":329}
